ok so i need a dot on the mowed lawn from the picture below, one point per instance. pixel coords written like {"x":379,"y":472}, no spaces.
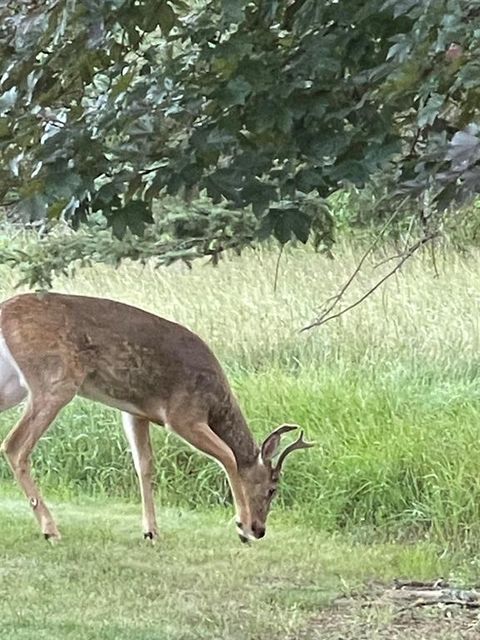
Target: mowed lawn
{"x":198,"y":581}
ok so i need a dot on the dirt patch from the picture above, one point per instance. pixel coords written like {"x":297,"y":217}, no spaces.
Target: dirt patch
{"x":407,"y":612}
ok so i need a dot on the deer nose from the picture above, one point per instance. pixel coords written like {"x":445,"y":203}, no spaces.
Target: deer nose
{"x":258,"y":530}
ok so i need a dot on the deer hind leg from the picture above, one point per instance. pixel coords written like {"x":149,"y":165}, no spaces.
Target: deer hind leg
{"x":19,"y":444}
{"x":137,"y":432}
{"x":201,"y":437}
{"x":52,"y":379}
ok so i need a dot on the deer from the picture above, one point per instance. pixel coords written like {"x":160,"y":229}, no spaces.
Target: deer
{"x":55,"y":346}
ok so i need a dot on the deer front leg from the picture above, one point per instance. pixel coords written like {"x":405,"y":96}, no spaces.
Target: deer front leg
{"x":137,"y":432}
{"x":200,"y":436}
{"x":19,"y":444}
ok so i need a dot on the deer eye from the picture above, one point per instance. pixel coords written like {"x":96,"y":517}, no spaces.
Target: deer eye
{"x":271,"y":493}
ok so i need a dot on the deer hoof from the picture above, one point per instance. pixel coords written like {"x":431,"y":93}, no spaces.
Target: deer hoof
{"x":53,"y":538}
{"x":150,"y":536}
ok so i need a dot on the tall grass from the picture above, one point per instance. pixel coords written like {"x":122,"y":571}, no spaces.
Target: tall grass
{"x":389,"y":392}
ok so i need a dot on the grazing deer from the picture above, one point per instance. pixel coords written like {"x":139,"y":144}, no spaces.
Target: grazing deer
{"x":54,"y":346}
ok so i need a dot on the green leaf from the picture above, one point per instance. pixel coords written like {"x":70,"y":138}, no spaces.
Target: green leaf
{"x":119,"y":224}
{"x":445,"y":197}
{"x":8,"y":100}
{"x":469,"y":75}
{"x":287,"y":222}
{"x":400,"y":7}
{"x":122,"y":84}
{"x":181,"y":4}
{"x":328,"y":144}
{"x":233,"y":10}
{"x":236,"y":91}
{"x":259,"y":195}
{"x":55,"y":209}
{"x":431,"y":110}
{"x":283,"y":228}
{"x":106,"y":197}
{"x":300,"y":224}
{"x":354,"y":171}
{"x":226,"y":183}
{"x":136,"y":214}
{"x":5,"y":128}
{"x":166,"y":17}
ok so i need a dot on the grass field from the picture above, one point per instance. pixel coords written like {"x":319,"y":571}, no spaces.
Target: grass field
{"x":389,"y":393}
{"x":198,"y":582}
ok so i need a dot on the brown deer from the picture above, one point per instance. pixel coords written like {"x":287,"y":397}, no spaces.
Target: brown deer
{"x":55,"y":346}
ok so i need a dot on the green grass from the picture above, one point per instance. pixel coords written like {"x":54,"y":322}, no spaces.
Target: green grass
{"x":103,"y":581}
{"x":389,"y":392}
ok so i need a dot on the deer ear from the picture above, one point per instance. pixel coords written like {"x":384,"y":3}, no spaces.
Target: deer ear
{"x":272,"y":442}
{"x":269,"y":447}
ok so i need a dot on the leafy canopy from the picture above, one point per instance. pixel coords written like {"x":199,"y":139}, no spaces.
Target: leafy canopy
{"x":266,"y":107}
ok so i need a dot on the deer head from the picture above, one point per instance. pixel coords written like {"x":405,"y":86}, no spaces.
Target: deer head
{"x":260,"y":480}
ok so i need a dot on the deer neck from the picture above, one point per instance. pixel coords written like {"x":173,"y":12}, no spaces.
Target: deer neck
{"x":232,"y":428}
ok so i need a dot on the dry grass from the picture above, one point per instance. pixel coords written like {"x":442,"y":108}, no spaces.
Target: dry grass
{"x":416,"y":316}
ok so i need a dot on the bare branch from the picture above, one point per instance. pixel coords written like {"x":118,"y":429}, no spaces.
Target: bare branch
{"x":408,"y":254}
{"x":332,"y":302}
{"x":396,"y":256}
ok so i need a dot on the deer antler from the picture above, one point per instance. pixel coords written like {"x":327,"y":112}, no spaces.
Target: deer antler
{"x":298,"y":444}
{"x":284,"y":428}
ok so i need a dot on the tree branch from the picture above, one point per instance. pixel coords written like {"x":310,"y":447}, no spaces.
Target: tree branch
{"x":332,"y":302}
{"x":326,"y":317}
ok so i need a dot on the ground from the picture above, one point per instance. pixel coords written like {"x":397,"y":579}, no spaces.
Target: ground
{"x":357,"y":619}
{"x":198,"y":581}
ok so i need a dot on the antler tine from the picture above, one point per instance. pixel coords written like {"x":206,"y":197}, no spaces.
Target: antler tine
{"x":284,"y":428}
{"x":298,"y":444}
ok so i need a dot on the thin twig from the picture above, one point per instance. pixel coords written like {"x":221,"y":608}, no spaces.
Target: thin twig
{"x":396,"y":256}
{"x":414,"y":142}
{"x":332,"y":302}
{"x":408,"y":254}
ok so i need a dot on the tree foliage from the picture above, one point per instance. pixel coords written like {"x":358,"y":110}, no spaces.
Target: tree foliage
{"x":263,"y":106}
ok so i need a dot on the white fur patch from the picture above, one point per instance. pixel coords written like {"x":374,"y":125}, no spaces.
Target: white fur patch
{"x":13,"y":387}
{"x":246,"y":532}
